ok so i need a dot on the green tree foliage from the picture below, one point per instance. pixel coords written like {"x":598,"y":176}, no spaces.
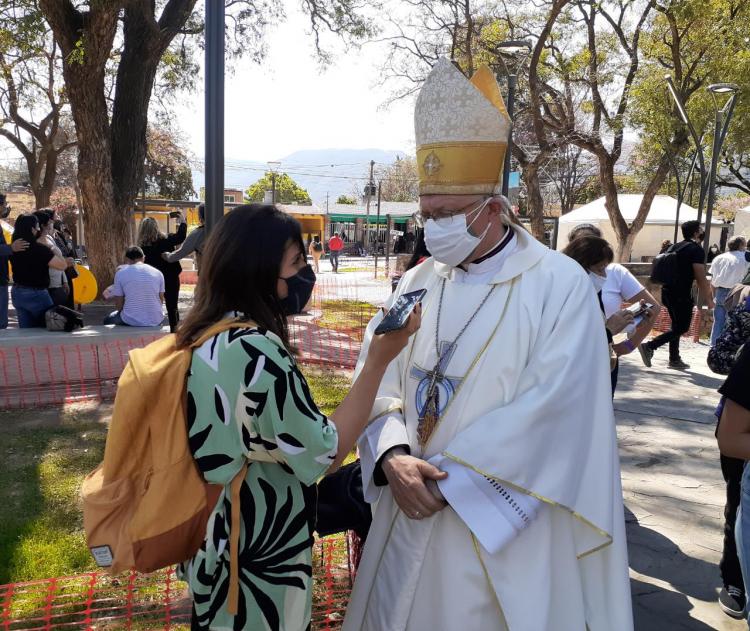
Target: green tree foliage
{"x":287,"y":190}
{"x":697,"y":42}
{"x":346,"y":199}
{"x":117,"y":54}
{"x":34,"y":114}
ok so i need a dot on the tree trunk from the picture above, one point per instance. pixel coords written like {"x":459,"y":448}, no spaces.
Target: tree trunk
{"x":111,"y":156}
{"x":611,"y":203}
{"x":104,"y":223}
{"x":535,"y":200}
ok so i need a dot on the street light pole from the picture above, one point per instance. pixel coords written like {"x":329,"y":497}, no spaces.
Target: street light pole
{"x":698,"y":142}
{"x":681,"y":187}
{"x":214,"y":148}
{"x":511,"y":48}
{"x":721,"y":126}
{"x":511,"y":106}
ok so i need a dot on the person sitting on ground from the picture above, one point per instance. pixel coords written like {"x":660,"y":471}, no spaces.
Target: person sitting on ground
{"x":335,"y":245}
{"x":594,"y":255}
{"x":138,"y":292}
{"x":733,"y":435}
{"x":58,"y":288}
{"x":315,"y":249}
{"x":621,"y":286}
{"x":249,"y":404}
{"x":677,"y":297}
{"x":727,"y":271}
{"x":31,"y":273}
{"x":193,"y":244}
{"x":154,"y":244}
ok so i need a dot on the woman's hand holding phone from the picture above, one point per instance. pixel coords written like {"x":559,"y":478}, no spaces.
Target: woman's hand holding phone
{"x":384,"y":348}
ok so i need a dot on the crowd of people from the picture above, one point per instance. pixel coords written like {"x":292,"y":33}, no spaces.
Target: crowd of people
{"x":484,"y":425}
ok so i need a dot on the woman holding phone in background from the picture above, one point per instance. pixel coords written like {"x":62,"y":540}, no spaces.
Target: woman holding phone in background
{"x":594,"y":254}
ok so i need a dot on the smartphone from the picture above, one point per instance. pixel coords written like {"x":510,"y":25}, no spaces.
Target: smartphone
{"x":399,"y":313}
{"x":637,"y":308}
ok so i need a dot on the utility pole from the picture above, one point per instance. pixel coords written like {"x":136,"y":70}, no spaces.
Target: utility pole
{"x":273,"y":187}
{"x":326,"y":202}
{"x":377,"y":232}
{"x":369,"y":191}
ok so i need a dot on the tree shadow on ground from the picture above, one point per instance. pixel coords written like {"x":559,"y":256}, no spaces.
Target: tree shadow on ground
{"x":652,"y":554}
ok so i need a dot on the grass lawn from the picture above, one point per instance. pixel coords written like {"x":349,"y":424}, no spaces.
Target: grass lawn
{"x":351,"y":316}
{"x":45,"y":455}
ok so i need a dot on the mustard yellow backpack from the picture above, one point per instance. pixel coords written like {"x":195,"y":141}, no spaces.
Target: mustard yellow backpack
{"x":146,"y":505}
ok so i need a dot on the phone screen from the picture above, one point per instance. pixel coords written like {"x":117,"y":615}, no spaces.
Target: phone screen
{"x":399,"y":313}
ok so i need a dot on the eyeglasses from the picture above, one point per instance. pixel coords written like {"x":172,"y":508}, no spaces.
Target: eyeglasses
{"x":420,"y":217}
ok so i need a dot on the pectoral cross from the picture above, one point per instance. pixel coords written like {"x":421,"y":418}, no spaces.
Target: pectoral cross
{"x":432,"y":384}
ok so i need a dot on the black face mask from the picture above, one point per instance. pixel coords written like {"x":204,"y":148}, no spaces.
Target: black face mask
{"x":299,"y":288}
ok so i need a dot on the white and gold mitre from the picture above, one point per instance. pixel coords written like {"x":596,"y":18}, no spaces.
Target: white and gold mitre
{"x":461,"y":129}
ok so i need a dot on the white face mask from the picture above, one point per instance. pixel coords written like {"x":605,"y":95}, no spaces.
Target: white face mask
{"x":448,"y":238}
{"x":597,"y":281}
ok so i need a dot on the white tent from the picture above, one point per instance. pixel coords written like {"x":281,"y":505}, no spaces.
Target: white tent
{"x":742,"y":222}
{"x":658,"y":227}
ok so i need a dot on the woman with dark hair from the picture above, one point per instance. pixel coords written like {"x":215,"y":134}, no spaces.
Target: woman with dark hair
{"x":248,"y":403}
{"x":31,"y":276}
{"x":58,"y":288}
{"x":154,"y":244}
{"x":594,"y":254}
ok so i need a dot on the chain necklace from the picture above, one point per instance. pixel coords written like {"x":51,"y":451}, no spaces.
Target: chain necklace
{"x":430,"y":413}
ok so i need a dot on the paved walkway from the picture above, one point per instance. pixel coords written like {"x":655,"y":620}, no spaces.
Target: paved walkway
{"x":674,"y":492}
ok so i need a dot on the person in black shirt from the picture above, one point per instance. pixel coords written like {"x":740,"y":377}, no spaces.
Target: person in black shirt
{"x":734,"y":442}
{"x":154,"y":244}
{"x":31,"y":274}
{"x":678,"y":297}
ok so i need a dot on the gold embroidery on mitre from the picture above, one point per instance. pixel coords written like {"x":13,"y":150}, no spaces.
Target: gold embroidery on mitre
{"x":461,"y":128}
{"x":432,"y":164}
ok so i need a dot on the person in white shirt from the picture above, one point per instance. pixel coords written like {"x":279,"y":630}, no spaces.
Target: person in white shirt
{"x":138,"y":292}
{"x":621,"y":286}
{"x":727,"y":270}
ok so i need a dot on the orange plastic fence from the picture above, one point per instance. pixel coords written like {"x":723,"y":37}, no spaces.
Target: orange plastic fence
{"x":79,"y":369}
{"x":154,"y":601}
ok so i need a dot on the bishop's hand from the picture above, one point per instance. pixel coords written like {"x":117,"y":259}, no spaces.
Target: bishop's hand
{"x":408,"y":478}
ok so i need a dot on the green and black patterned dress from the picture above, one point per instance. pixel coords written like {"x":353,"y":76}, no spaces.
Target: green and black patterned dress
{"x":246,"y":394}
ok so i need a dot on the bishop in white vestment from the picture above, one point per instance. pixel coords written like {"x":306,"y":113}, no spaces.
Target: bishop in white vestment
{"x":505,"y":388}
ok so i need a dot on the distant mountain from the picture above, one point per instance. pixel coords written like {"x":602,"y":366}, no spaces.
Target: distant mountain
{"x":320,"y":171}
